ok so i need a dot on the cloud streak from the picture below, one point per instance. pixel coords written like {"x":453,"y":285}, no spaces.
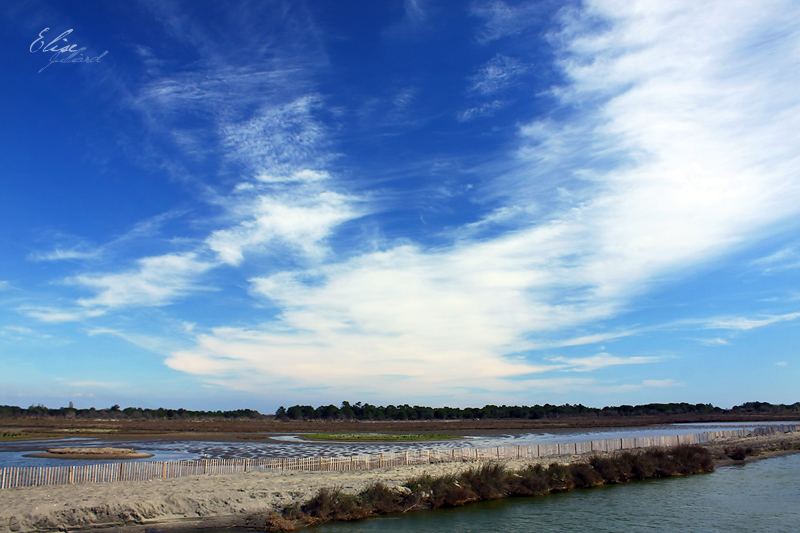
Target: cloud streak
{"x":681,"y":154}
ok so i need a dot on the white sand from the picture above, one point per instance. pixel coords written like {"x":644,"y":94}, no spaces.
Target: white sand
{"x":162,"y":501}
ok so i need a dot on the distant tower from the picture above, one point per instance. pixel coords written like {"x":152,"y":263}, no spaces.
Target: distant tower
{"x":71,"y":406}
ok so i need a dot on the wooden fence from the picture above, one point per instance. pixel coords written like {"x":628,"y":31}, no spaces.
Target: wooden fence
{"x":13,"y":477}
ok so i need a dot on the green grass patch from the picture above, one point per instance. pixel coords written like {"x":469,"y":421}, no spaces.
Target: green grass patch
{"x":10,"y":435}
{"x":360,"y":437}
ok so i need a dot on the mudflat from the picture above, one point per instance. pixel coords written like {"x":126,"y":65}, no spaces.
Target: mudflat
{"x":237,"y":429}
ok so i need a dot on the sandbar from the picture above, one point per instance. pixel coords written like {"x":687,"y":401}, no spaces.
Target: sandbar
{"x":93,"y":454}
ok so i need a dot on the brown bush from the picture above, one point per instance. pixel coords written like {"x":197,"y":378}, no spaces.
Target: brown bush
{"x":737,"y":454}
{"x":493,"y":480}
{"x":532,"y":481}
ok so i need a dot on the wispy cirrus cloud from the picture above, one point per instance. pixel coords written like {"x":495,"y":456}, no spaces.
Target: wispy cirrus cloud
{"x":718,"y":341}
{"x":55,"y":314}
{"x":60,"y":254}
{"x":254,"y":122}
{"x":497,"y":74}
{"x":680,"y":155}
{"x":784,"y":259}
{"x":744,"y":323}
{"x":485,"y":109}
{"x":601,"y":360}
{"x":155,"y":281}
{"x":504,"y":20}
{"x":298,"y":217}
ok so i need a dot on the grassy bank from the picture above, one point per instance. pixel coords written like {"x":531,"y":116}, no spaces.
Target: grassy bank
{"x":360,"y":437}
{"x":487,"y":482}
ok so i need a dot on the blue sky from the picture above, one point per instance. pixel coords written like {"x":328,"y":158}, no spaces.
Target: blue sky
{"x":249,"y":204}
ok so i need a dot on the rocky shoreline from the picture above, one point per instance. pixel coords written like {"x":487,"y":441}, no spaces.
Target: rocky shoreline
{"x":205,"y":502}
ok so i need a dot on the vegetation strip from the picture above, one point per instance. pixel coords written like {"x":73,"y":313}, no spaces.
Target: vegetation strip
{"x":487,"y":482}
{"x":365,"y":411}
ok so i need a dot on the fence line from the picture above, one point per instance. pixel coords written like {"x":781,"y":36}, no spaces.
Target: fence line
{"x":13,"y":477}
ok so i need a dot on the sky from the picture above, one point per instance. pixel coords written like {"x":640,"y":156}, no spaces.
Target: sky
{"x":248,"y":204}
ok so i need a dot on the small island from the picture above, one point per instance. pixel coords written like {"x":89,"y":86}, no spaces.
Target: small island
{"x":91,"y":453}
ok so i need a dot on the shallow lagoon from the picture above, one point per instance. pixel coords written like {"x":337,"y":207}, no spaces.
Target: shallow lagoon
{"x":12,"y":453}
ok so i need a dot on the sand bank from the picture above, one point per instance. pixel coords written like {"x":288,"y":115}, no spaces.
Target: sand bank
{"x":94,"y":454}
{"x":224,"y":500}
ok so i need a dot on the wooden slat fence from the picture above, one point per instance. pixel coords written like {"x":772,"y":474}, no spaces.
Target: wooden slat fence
{"x":13,"y":477}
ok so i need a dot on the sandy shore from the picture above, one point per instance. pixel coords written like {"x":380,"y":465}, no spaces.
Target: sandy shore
{"x":220,"y":501}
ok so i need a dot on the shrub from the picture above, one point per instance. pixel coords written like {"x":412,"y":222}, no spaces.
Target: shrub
{"x":493,"y":480}
{"x":532,"y":481}
{"x":558,"y":477}
{"x":737,"y":454}
{"x":379,"y":498}
{"x":333,"y":504}
{"x":488,"y":482}
{"x":612,"y":471}
{"x":583,"y":476}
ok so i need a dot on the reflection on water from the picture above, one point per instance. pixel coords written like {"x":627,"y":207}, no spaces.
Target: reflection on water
{"x":11,"y":453}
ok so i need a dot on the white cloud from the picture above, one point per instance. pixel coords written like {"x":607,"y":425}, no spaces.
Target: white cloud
{"x":95,"y":385}
{"x":684,"y":151}
{"x":713,"y":342}
{"x":300,"y":219}
{"x":660,"y":383}
{"x":60,"y":254}
{"x":143,"y":341}
{"x":486,"y":109}
{"x":744,"y":324}
{"x":591,"y":339}
{"x":782,"y":363}
{"x":497,"y":74}
{"x":503,"y":20}
{"x":156,"y":281}
{"x":52,"y":314}
{"x":785,"y":259}
{"x":18,"y":329}
{"x":601,"y":360}
{"x":279,"y":139}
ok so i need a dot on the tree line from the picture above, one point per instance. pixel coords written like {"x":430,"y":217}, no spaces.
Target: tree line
{"x":40,"y":411}
{"x":365,"y":411}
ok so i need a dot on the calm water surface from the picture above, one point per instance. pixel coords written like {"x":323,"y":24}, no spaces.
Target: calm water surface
{"x":760,"y":496}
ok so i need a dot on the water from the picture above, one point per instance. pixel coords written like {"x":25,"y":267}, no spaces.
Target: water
{"x":762,"y":496}
{"x":12,"y":453}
